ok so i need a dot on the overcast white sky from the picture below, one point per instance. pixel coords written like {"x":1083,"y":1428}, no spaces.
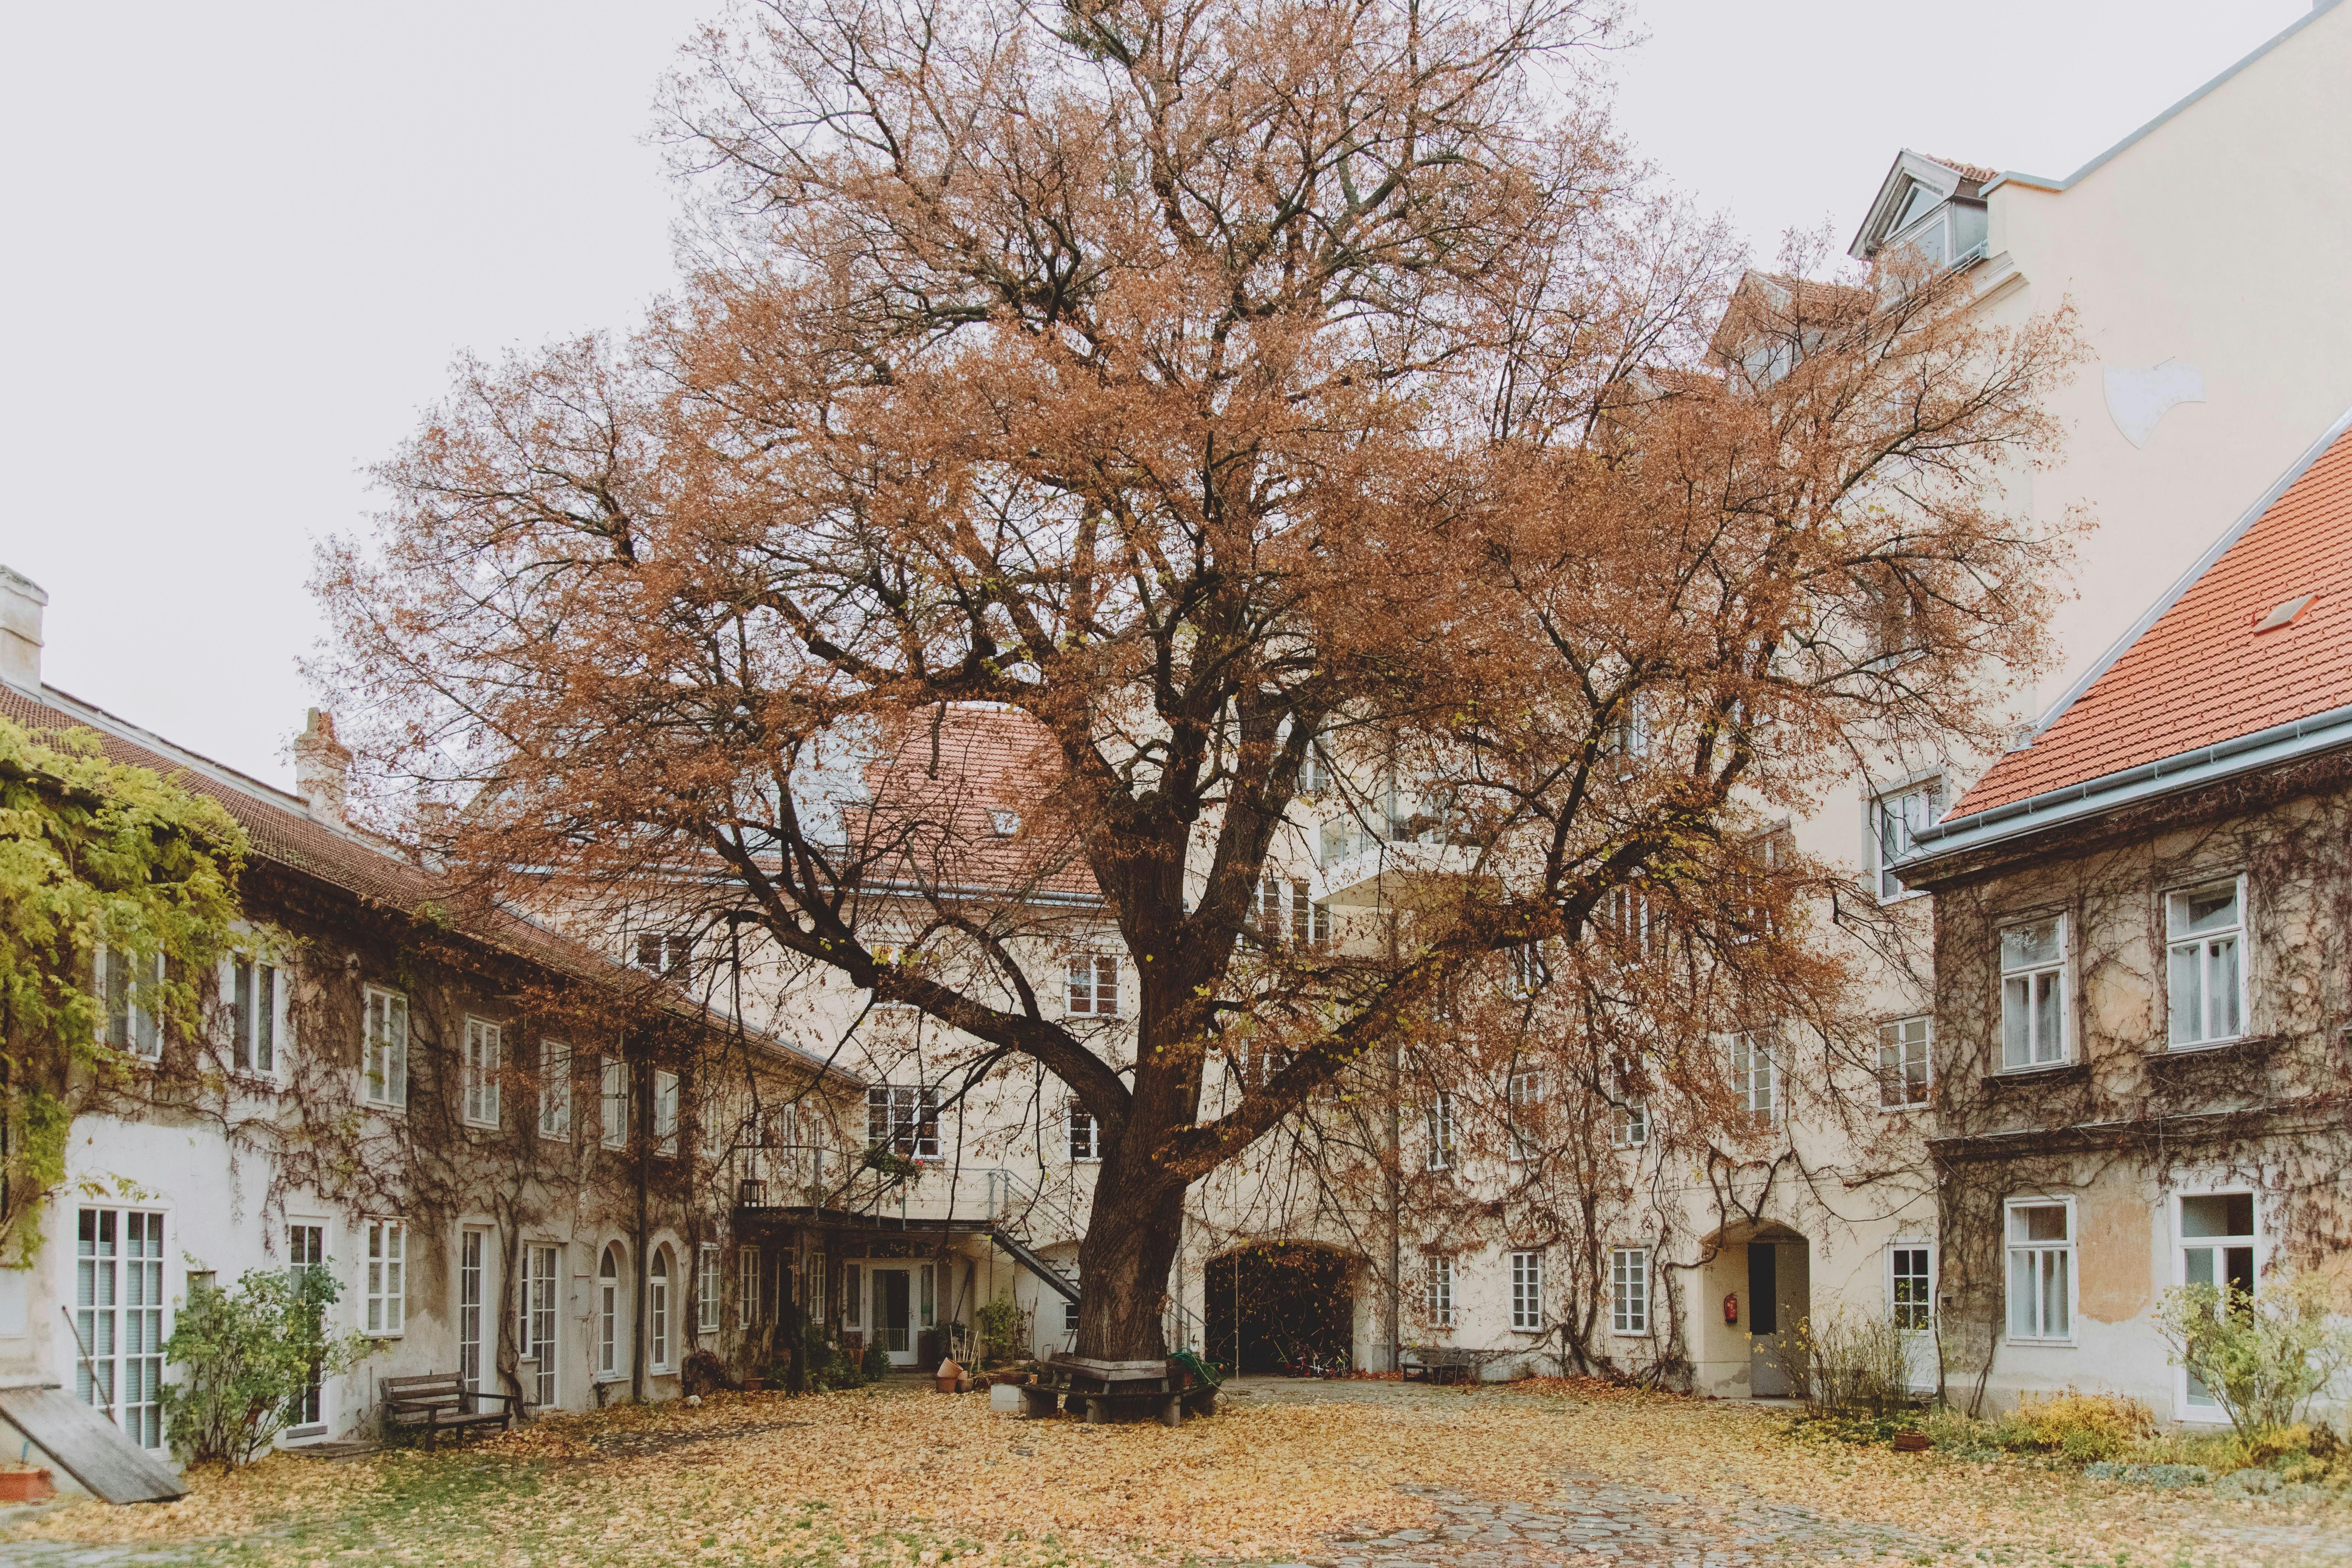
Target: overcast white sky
{"x":244,"y":241}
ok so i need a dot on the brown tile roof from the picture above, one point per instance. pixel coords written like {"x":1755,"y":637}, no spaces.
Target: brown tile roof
{"x":285,"y":833}
{"x":1976,"y":172}
{"x":2201,"y":672}
{"x":941,"y":793}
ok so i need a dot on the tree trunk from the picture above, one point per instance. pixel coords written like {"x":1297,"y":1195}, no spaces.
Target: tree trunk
{"x":1131,"y":1241}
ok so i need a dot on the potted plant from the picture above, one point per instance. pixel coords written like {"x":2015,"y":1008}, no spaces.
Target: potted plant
{"x":24,"y":1482}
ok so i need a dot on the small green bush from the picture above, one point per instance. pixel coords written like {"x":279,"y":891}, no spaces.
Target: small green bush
{"x":1854,"y":1361}
{"x":999,"y":1323}
{"x":876,"y":1364}
{"x":2077,"y":1427}
{"x":2265,"y":1356}
{"x":246,"y":1354}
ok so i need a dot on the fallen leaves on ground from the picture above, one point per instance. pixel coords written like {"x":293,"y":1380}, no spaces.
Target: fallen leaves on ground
{"x":896,"y":1479}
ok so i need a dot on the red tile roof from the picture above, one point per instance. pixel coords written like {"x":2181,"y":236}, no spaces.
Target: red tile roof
{"x":954,"y":778}
{"x":284,"y":832}
{"x":1976,"y":172}
{"x":2200,"y":673}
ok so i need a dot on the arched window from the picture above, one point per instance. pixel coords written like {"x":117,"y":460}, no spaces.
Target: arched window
{"x":657,"y":1309}
{"x":608,"y":1313}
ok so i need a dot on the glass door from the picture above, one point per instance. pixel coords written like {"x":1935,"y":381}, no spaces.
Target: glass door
{"x":894,"y":1314}
{"x":2217,"y":1248}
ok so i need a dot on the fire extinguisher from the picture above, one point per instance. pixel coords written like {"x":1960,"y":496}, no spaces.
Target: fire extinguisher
{"x":1731,"y":1310}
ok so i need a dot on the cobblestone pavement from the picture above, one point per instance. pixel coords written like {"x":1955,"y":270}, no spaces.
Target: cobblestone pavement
{"x":1593,"y":1521}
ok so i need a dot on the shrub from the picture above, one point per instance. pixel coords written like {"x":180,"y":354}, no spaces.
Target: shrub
{"x":247,"y":1354}
{"x":876,"y":1364}
{"x":2265,"y":1356}
{"x":1854,"y":1361}
{"x":2080,"y":1426}
{"x":999,"y":1323}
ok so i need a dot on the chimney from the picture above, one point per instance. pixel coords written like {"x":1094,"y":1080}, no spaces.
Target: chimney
{"x":321,"y":764}
{"x":21,"y":603}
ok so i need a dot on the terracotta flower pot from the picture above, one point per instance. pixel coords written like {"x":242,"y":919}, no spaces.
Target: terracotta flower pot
{"x":26,"y":1486}
{"x":1912,"y":1443}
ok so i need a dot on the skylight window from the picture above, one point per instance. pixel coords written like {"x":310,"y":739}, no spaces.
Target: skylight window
{"x":2283,"y":615}
{"x":1007,"y":823}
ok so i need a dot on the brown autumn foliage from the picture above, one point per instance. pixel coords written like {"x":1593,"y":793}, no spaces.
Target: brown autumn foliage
{"x":1208,"y":384}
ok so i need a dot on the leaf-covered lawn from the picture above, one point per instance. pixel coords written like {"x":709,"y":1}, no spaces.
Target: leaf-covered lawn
{"x":881,"y":1479}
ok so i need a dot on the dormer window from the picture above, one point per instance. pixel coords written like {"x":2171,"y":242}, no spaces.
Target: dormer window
{"x":1918,"y":203}
{"x":1004,"y":821}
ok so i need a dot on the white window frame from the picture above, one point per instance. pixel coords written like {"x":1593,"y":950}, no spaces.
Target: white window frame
{"x":1439,"y":1287}
{"x":306,"y":1247}
{"x":612,"y":1103}
{"x":1527,"y":1293}
{"x":1631,"y":1126}
{"x":383,"y":1048}
{"x":2184,"y":1402}
{"x":1629,"y":1293}
{"x":484,"y":1056}
{"x":142,"y":1028}
{"x":1896,"y":815}
{"x":1091,"y":989}
{"x":1522,"y":1092}
{"x":2012,"y":1247}
{"x":383,"y":1278}
{"x":2039,"y":1054}
{"x":1529,"y":971}
{"x":555,"y":1091}
{"x":706,"y":1288}
{"x":1904,"y":1043}
{"x":909,"y":1115}
{"x":1441,"y":1130}
{"x":537,"y":1332}
{"x":1756,"y":1075}
{"x":1082,"y":1134}
{"x":474,"y":1247}
{"x":257,"y":1035}
{"x":1911,"y":1316}
{"x":661,"y":1334}
{"x":2199,"y":948}
{"x":120,"y":1318}
{"x":665,"y":1113}
{"x":747,"y":1286}
{"x":667,"y":955}
{"x":609,"y":1324}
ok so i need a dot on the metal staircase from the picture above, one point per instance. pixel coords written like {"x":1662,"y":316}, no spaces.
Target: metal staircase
{"x":1013,"y":1202}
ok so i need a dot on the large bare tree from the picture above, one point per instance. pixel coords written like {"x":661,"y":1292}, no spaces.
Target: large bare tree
{"x":1206,"y":383}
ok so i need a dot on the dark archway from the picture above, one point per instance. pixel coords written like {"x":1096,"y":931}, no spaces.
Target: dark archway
{"x":1269,"y":1306}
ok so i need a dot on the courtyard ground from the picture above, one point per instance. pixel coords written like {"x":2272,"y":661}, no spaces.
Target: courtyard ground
{"x":1352,"y":1475}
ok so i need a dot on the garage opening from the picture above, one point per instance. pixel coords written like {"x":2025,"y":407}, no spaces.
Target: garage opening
{"x":1276,"y":1308}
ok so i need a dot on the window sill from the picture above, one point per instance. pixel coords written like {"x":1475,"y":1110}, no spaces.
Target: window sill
{"x":384,"y":1333}
{"x":300,"y":1434}
{"x":1089,"y":1159}
{"x":2048,"y":1072}
{"x":2041,"y":1344}
{"x":2211,"y":1048}
{"x":1629,"y":1334}
{"x":479,"y":1126}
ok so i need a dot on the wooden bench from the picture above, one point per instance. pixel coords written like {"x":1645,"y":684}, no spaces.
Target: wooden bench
{"x":440,"y":1401}
{"x":1445,"y":1364}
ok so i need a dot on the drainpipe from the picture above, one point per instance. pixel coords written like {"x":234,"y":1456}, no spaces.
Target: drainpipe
{"x":1395,"y":1182}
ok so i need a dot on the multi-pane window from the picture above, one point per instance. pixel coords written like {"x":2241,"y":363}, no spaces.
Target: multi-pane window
{"x":1632,"y":1129}
{"x":1895,"y":819}
{"x":536,"y":1303}
{"x":2033,"y":994}
{"x":853,"y":1294}
{"x":484,"y":1049}
{"x":554,"y":1089}
{"x":2217,"y":1248}
{"x":1525,"y":1096}
{"x":1084,"y":1131}
{"x":1441,"y":1291}
{"x":608,"y":1313}
{"x":1527,"y":1293}
{"x":306,"y":1249}
{"x":1093,"y":986}
{"x":1627,"y":920}
{"x":256,"y":1001}
{"x":1903,"y":1048}
{"x":2041,"y":1270}
{"x":383,"y":1285}
{"x":1441,"y":1132}
{"x":1530,"y":971}
{"x":666,"y":953}
{"x":2204,"y":969}
{"x":383,"y":1063}
{"x":1755,"y":1075}
{"x":706,"y":1288}
{"x":1629,"y":1289}
{"x":473,"y":1246}
{"x":613,"y":1114}
{"x":1911,"y":1284}
{"x":131,"y":985}
{"x":657,"y":1309}
{"x":1289,"y":912}
{"x":119,"y":1319}
{"x":904,"y":1119}
{"x":666,"y":1111}
{"x":747,"y":1286}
